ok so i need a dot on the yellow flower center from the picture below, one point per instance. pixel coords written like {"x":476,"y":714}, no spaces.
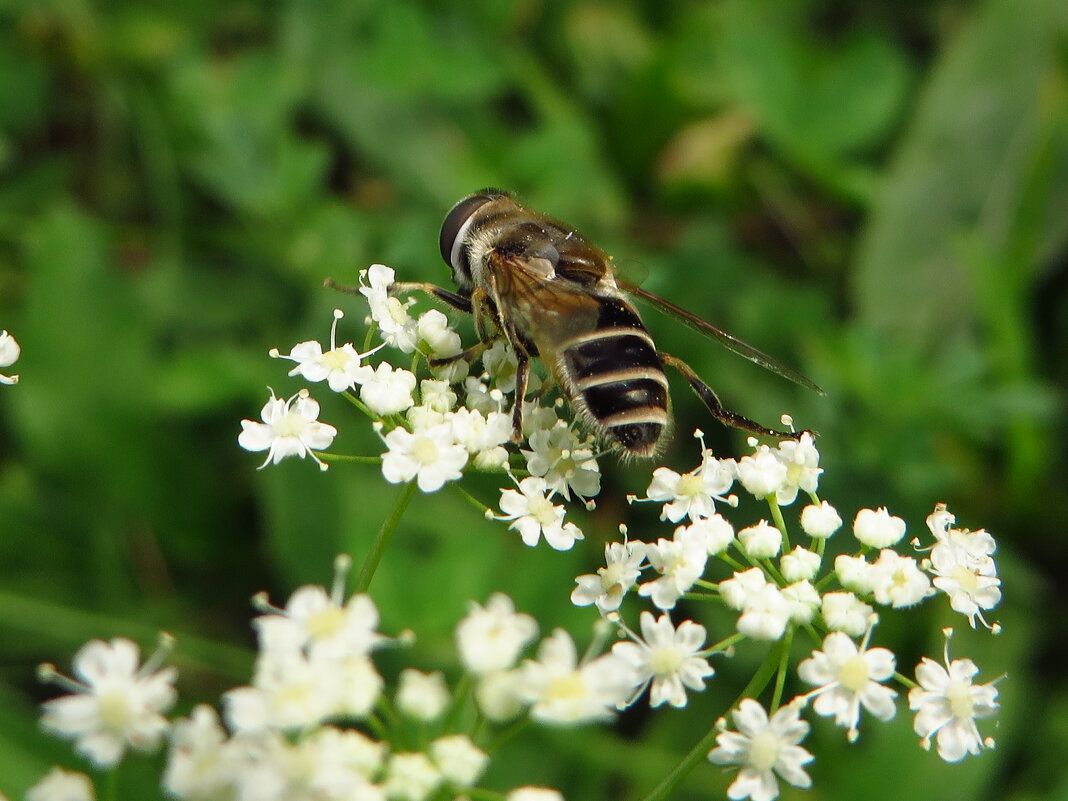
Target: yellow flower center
{"x":291,"y":425}
{"x":689,"y":486}
{"x":541,"y":509}
{"x":853,"y":675}
{"x":959,"y":696}
{"x":326,"y":622}
{"x":665,"y":660}
{"x":424,"y":450}
{"x":115,"y":711}
{"x":968,"y":581}
{"x":568,"y":687}
{"x":764,"y":750}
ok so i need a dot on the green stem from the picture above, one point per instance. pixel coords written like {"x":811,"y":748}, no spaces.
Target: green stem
{"x":694,"y":758}
{"x":700,"y":751}
{"x":780,"y":523}
{"x":378,"y":547}
{"x":111,"y":785}
{"x":780,"y":676}
{"x":347,"y":458}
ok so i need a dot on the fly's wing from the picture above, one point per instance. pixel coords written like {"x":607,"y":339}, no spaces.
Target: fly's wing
{"x":732,"y":343}
{"x":537,"y":300}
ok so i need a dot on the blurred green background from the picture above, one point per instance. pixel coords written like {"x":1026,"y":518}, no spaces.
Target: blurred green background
{"x":876,"y":193}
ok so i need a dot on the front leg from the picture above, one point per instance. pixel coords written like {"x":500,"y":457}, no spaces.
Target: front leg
{"x":444,"y":295}
{"x":725,"y":416}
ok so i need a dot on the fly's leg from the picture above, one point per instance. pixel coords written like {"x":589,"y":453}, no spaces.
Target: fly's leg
{"x":522,"y":373}
{"x":725,"y":416}
{"x":444,"y":295}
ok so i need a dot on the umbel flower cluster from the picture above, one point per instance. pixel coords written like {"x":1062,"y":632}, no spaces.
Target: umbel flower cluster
{"x":318,"y":722}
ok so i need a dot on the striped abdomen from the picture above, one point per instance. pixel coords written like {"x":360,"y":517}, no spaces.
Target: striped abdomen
{"x":616,"y":378}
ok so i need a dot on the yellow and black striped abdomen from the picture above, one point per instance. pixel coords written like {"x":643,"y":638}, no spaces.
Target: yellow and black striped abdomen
{"x":616,"y":379}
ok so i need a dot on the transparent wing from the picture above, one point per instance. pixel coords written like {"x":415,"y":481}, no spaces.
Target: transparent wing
{"x":732,"y":343}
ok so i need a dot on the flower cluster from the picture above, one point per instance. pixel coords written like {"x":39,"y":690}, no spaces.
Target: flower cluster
{"x":435,"y":428}
{"x":318,"y":721}
{"x":779,"y":582}
{"x":778,"y":590}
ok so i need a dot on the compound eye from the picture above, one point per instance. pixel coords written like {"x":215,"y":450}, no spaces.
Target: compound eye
{"x":454,"y":224}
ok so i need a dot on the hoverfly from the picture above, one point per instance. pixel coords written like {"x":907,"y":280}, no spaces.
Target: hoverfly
{"x":553,"y":294}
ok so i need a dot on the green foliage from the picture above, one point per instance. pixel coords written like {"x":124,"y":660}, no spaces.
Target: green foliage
{"x":873,"y":192}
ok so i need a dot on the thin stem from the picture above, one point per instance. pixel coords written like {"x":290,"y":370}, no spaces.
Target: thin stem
{"x":378,"y":547}
{"x":780,"y":676}
{"x":901,"y":677}
{"x":482,"y":508}
{"x":700,"y":751}
{"x":337,"y":458}
{"x":780,"y":523}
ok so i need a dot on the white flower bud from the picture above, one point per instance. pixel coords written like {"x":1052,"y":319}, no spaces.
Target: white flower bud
{"x":820,"y":522}
{"x":800,"y":564}
{"x":878,"y":528}
{"x":761,"y":541}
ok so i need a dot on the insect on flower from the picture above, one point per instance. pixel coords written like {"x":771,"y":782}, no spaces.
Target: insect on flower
{"x":553,"y":294}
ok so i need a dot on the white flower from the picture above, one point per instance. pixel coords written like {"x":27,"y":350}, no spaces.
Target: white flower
{"x":764,"y":749}
{"x":801,"y":460}
{"x":799,"y":564}
{"x":843,"y":611}
{"x":389,"y":390}
{"x":533,"y":515}
{"x":978,"y":545}
{"x":679,"y":561}
{"x":290,"y":691}
{"x":480,"y":432}
{"x":500,"y":362}
{"x":897,"y":580}
{"x":970,"y":584}
{"x":761,"y":541}
{"x":878,"y":528}
{"x":847,"y":678}
{"x":820,"y":522}
{"x":691,"y":494}
{"x":431,"y":457}
{"x":378,"y":278}
{"x":458,"y":759}
{"x":803,"y":601}
{"x":762,"y":474}
{"x":854,"y":573}
{"x":289,"y":428}
{"x":9,"y":354}
{"x":737,"y":590}
{"x":437,"y":395}
{"x":323,"y":624}
{"x":434,"y":329}
{"x":411,"y":777}
{"x":340,"y":367}
{"x":534,"y":794}
{"x":716,"y":532}
{"x":563,"y":461}
{"x":563,"y":691}
{"x":766,"y":614}
{"x":667,"y":658}
{"x":391,"y":315}
{"x":61,"y":785}
{"x":422,"y":696}
{"x":947,"y":704}
{"x":500,"y":695}
{"x":114,"y":704}
{"x":199,"y":764}
{"x":608,"y":587}
{"x":490,"y":638}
